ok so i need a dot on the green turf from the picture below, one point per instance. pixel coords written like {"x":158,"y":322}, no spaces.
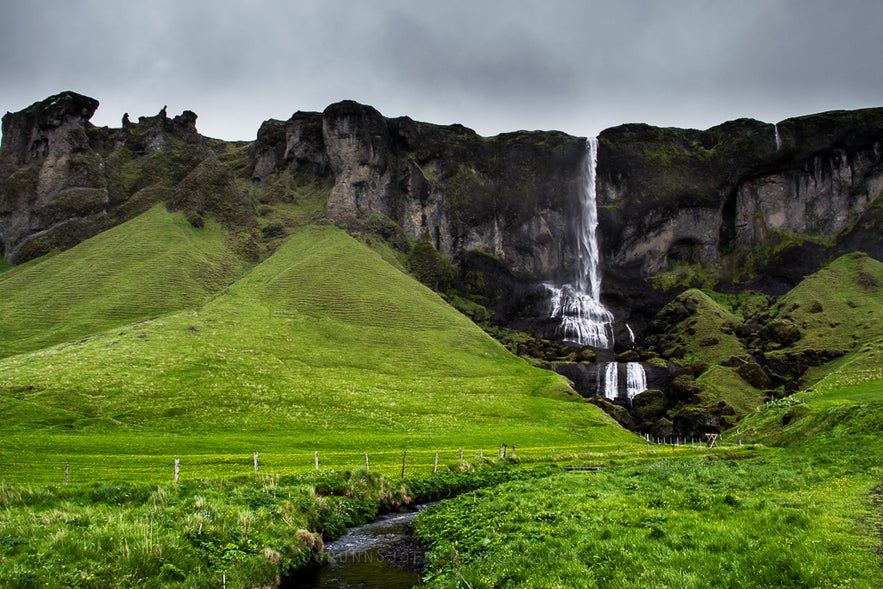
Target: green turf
{"x":839,"y":306}
{"x":324,"y":346}
{"x":152,"y":265}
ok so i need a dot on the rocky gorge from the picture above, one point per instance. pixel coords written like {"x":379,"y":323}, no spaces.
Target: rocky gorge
{"x":746,"y":209}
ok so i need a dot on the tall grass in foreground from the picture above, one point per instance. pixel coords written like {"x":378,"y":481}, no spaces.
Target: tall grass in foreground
{"x":764,"y":522}
{"x":246,"y":532}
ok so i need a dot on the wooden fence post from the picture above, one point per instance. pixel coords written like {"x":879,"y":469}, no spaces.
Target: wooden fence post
{"x":255,"y":462}
{"x":177,"y":468}
{"x":460,"y":453}
{"x":67,"y":471}
{"x":366,"y":461}
{"x":316,"y":459}
{"x":404,"y":462}
{"x":435,"y":464}
{"x":481,"y":453}
{"x":513,"y":450}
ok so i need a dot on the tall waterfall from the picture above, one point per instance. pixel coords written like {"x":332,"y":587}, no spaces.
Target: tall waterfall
{"x":577,"y":305}
{"x":778,"y":137}
{"x":583,"y":318}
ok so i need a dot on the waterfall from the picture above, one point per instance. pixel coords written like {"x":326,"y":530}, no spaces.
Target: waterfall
{"x":778,"y":137}
{"x":611,"y":380}
{"x":584,"y":320}
{"x":631,"y":333}
{"x":635,"y":378}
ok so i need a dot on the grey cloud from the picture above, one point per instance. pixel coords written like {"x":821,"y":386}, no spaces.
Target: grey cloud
{"x":494,"y":65}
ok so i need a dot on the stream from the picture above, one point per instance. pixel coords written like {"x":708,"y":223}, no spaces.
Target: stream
{"x":363,"y":558}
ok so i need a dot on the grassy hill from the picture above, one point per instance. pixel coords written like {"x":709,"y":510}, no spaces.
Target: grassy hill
{"x":837,"y":307}
{"x":152,"y":265}
{"x":323,"y":346}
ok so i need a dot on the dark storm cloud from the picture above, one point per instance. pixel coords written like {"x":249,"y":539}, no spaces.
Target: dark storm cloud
{"x":492,"y":65}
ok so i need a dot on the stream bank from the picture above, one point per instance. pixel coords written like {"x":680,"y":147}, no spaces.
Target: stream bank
{"x":379,"y":554}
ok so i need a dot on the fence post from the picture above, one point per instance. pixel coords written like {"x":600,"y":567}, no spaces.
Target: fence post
{"x":404,"y":462}
{"x":255,"y":461}
{"x":316,"y":459}
{"x":435,"y":464}
{"x":460,"y":453}
{"x":481,"y":453}
{"x":366,"y":461}
{"x":513,"y":450}
{"x":177,"y":468}
{"x":67,"y":471}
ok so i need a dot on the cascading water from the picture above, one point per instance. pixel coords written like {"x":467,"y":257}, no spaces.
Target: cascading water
{"x":577,"y":305}
{"x":636,"y":379}
{"x":778,"y":137}
{"x":611,"y":380}
{"x":583,"y":318}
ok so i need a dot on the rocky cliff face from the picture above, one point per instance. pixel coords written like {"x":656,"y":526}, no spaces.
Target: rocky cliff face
{"x":62,"y":180}
{"x":509,"y":196}
{"x":752,"y":204}
{"x":723,"y":196}
{"x":53,"y":185}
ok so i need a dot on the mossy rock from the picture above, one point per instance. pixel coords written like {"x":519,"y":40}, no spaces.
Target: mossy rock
{"x":650,"y":405}
{"x":754,"y":375}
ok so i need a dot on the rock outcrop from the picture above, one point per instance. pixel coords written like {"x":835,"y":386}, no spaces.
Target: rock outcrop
{"x":726,"y":197}
{"x":510,"y":196}
{"x":751,"y":203}
{"x":63,"y":180}
{"x":52,"y":186}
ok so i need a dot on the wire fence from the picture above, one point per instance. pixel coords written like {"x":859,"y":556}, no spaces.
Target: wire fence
{"x":158,"y":468}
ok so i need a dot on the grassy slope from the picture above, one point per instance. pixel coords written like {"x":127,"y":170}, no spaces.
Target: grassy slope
{"x":838,"y":306}
{"x":324,"y":346}
{"x":154,"y":264}
{"x":801,"y":515}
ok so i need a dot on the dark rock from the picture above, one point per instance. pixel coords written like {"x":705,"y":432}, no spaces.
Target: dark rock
{"x":684,"y":387}
{"x":53,"y":192}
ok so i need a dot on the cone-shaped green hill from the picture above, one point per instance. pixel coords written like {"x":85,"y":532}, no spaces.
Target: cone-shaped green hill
{"x":324,"y":345}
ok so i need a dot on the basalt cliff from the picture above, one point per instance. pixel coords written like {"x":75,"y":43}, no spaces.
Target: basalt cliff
{"x":744,"y":207}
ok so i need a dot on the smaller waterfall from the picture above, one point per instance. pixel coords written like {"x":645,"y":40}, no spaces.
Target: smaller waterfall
{"x":636,"y":379}
{"x":778,"y":137}
{"x":631,"y":333}
{"x":611,"y":380}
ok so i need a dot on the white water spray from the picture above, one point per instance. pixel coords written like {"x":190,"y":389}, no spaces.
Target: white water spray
{"x":778,"y":137}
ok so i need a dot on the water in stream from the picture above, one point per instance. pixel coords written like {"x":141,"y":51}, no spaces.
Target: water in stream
{"x":360,"y":558}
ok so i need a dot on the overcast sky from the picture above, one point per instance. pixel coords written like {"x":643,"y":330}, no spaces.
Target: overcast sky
{"x":577,"y":66}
